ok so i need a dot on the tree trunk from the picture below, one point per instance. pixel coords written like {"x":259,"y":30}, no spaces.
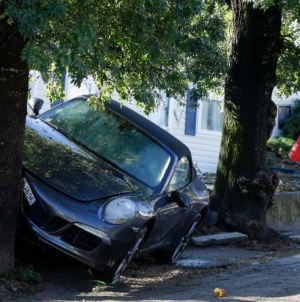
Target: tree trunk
{"x":244,"y":187}
{"x":13,"y":96}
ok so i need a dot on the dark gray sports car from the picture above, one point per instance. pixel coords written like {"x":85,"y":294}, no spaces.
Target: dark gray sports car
{"x":103,"y":185}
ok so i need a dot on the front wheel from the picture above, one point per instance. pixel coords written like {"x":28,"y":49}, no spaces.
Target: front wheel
{"x":170,"y":256}
{"x":113,"y":275}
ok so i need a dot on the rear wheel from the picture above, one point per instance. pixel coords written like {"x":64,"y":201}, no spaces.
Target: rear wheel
{"x":170,"y":256}
{"x":113,"y":275}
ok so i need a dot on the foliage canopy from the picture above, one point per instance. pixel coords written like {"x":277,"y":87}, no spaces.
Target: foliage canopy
{"x":141,"y":47}
{"x":135,"y":47}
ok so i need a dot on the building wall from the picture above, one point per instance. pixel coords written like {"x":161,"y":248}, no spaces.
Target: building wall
{"x":204,"y":144}
{"x":289,"y":101}
{"x":37,"y":88}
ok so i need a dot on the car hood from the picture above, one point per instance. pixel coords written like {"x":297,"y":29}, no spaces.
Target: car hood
{"x":64,"y":165}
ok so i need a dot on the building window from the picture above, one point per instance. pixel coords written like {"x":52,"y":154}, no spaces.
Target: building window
{"x":211,"y":115}
{"x":284,"y":112}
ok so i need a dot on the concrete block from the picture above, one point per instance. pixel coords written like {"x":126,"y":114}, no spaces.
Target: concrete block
{"x":284,"y":214}
{"x":222,"y":238}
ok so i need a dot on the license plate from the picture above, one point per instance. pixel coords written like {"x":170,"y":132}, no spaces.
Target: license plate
{"x":28,"y":192}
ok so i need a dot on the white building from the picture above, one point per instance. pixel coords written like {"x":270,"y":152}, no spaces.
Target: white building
{"x":199,"y":129}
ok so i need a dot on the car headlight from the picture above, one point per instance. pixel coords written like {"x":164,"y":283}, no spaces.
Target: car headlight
{"x":119,"y":210}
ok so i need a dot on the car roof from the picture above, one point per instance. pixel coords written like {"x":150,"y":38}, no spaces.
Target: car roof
{"x":156,"y":132}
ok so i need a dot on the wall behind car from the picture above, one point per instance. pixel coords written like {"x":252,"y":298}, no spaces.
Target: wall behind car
{"x":199,"y":128}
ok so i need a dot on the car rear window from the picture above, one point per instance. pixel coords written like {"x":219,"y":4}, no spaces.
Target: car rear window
{"x":113,"y":138}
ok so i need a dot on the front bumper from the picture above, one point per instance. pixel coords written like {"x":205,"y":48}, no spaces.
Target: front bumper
{"x":83,"y":246}
{"x":75,"y":228}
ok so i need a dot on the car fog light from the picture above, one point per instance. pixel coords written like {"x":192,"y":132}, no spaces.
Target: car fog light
{"x":119,"y":210}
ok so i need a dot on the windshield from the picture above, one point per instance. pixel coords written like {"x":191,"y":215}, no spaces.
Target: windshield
{"x":113,"y":138}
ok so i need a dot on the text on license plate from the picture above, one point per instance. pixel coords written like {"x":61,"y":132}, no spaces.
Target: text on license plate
{"x":28,"y":192}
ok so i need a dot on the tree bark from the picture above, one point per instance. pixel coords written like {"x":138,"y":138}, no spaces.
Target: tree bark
{"x":13,"y":95}
{"x":244,"y":187}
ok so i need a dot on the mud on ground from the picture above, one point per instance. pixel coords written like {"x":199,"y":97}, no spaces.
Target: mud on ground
{"x":65,"y":279}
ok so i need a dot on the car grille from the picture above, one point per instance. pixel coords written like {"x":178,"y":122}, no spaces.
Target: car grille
{"x":60,"y":227}
{"x":81,"y":239}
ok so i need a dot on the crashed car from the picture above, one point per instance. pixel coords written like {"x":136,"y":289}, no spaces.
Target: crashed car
{"x":104,"y":185}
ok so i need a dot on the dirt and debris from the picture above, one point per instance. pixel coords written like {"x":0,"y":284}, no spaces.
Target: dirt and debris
{"x":63,"y":276}
{"x":65,"y":279}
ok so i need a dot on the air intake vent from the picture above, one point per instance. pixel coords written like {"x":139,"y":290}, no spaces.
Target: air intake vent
{"x":54,"y":224}
{"x":81,"y":239}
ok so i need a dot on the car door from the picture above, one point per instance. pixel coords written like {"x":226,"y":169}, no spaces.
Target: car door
{"x":171,"y":210}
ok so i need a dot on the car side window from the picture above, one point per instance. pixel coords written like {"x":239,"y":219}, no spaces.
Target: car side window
{"x":181,"y":175}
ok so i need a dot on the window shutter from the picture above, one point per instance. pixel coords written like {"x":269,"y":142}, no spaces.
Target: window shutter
{"x":191,"y":115}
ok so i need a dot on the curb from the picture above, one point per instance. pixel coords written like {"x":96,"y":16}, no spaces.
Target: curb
{"x":220,"y":238}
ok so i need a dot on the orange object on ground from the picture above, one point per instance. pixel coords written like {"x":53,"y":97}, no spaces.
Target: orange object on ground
{"x":295,"y":151}
{"x":219,"y":292}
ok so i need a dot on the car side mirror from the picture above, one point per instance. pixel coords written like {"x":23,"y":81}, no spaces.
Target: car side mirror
{"x":181,"y":199}
{"x":35,"y":104}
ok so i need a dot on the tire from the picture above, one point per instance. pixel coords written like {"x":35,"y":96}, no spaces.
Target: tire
{"x":172,"y":255}
{"x":113,"y":275}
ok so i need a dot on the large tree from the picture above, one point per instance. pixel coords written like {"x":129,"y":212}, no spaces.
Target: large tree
{"x":244,"y":187}
{"x":136,"y":47}
{"x":13,"y":92}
